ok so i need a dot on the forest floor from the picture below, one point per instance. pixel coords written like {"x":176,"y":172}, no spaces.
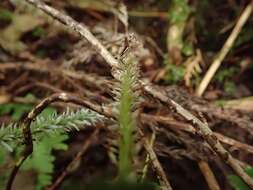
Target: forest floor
{"x":178,"y":42}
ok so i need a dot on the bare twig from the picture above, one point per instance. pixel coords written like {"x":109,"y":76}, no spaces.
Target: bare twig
{"x":234,"y":143}
{"x":209,"y":176}
{"x":225,"y":49}
{"x":42,"y":67}
{"x":147,"y":160}
{"x":165,"y":184}
{"x":202,"y":128}
{"x":169,"y":122}
{"x":36,"y":84}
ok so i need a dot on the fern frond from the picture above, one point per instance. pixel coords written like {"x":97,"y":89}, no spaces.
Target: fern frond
{"x":9,"y":133}
{"x":127,"y":99}
{"x":65,"y":122}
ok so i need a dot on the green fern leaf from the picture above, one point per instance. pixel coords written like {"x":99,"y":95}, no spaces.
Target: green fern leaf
{"x":48,"y":123}
{"x":42,"y":158}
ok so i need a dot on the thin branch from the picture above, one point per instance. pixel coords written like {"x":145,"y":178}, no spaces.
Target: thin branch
{"x":202,"y":128}
{"x":176,"y":125}
{"x":164,"y":182}
{"x":43,"y":67}
{"x":209,"y":176}
{"x":147,"y":160}
{"x":225,"y":49}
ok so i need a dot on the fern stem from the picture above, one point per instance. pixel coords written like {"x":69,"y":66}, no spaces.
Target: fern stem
{"x":126,"y":118}
{"x":126,"y":128}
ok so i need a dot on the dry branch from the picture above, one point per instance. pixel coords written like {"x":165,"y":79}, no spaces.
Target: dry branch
{"x":165,"y":184}
{"x":209,"y":176}
{"x":225,"y":49}
{"x":176,"y":125}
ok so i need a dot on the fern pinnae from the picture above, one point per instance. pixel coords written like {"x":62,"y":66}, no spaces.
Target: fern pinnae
{"x":65,"y":122}
{"x":126,"y":95}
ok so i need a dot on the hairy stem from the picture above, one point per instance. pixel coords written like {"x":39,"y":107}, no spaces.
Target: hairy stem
{"x":126,"y":123}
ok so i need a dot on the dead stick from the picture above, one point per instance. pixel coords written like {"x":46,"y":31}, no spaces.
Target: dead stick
{"x":176,"y":125}
{"x":225,"y":49}
{"x":165,"y":184}
{"x":209,"y":176}
{"x":147,"y":160}
{"x":202,"y":128}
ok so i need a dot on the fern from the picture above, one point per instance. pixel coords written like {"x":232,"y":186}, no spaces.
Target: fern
{"x":68,"y":121}
{"x":65,"y":122}
{"x":49,"y":131}
{"x":126,"y":99}
{"x":42,"y":158}
{"x":9,"y":134}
